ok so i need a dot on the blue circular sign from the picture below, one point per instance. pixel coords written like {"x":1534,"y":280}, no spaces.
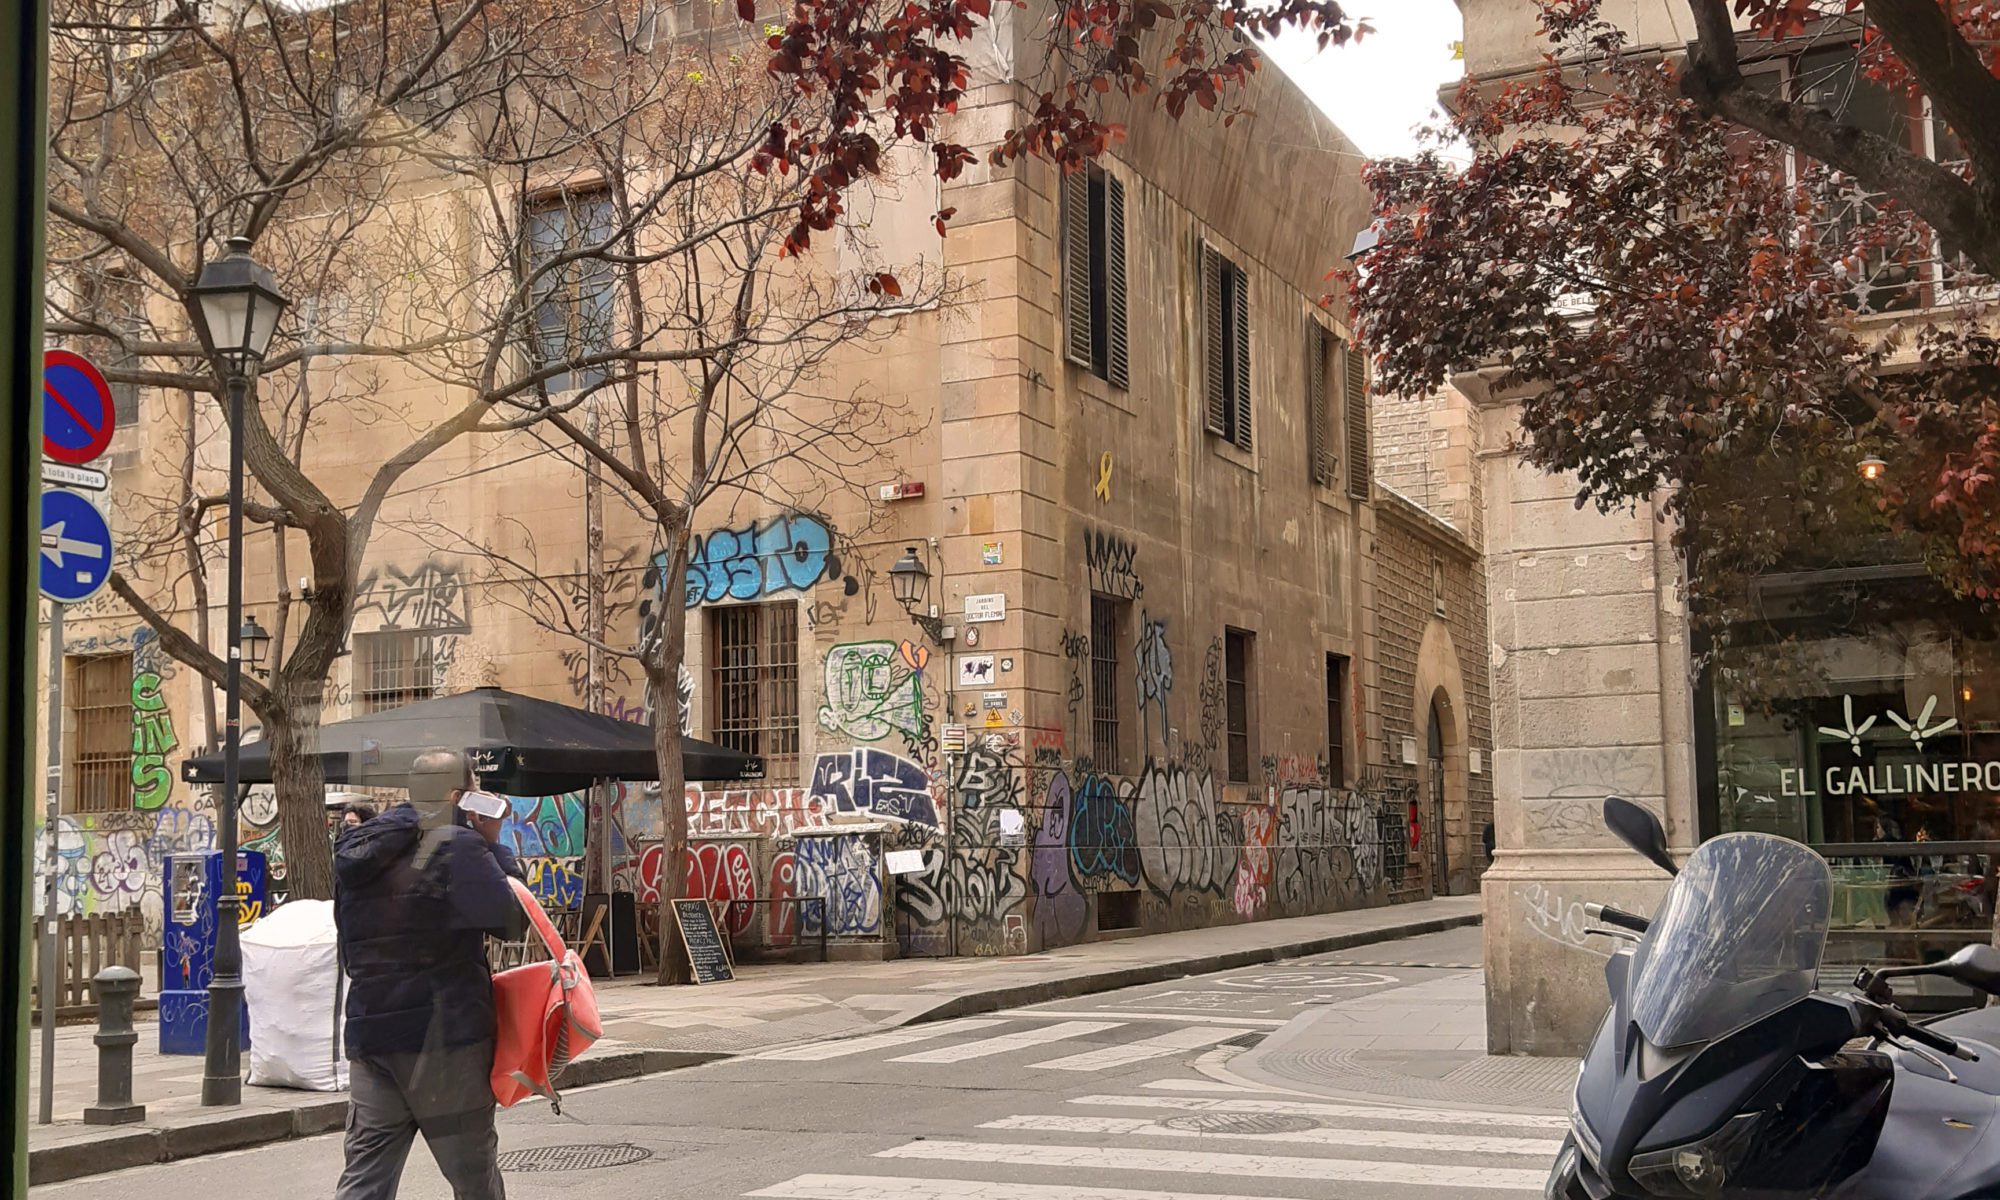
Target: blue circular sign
{"x":75,"y":547}
{"x":77,"y":414}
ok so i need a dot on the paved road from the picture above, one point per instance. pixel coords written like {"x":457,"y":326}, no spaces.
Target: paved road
{"x":1122,"y":1096}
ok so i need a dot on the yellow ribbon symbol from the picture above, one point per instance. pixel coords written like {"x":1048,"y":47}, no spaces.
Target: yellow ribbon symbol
{"x":1104,"y":476}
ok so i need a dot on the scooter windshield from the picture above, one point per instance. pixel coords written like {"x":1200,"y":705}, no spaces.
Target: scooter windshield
{"x":1738,"y":938}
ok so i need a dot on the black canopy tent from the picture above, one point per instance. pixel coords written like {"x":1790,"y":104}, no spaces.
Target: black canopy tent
{"x":517,"y":745}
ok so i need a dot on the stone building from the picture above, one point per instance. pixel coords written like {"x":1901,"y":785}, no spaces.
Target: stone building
{"x":1177,"y":662}
{"x":1595,"y":690}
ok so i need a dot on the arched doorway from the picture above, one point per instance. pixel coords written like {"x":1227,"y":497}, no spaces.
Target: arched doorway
{"x":1442,"y":804}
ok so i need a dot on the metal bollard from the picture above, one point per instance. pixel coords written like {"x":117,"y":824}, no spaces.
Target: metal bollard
{"x":116,"y":989}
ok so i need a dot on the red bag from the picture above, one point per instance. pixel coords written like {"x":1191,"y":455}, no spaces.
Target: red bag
{"x":547,"y":1016}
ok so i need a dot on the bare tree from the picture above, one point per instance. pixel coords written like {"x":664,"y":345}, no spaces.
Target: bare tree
{"x":730,"y":391}
{"x":388,"y":161}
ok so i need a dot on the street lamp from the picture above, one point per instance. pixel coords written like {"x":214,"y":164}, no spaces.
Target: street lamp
{"x":1872,"y":468}
{"x":910,"y":580}
{"x":240,"y":305}
{"x":256,"y":642}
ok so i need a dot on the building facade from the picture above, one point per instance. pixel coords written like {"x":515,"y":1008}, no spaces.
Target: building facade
{"x":1852,"y":716}
{"x":1177,"y":661}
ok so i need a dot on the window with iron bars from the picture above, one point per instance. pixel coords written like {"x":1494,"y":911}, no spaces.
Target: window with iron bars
{"x":98,"y":701}
{"x":393,"y":668}
{"x":753,"y":654}
{"x":1104,"y":701}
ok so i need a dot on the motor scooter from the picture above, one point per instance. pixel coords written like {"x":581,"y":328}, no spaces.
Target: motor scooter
{"x":1723,"y":1069}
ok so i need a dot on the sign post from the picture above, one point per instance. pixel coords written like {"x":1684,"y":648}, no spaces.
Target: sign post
{"x":74,"y":557}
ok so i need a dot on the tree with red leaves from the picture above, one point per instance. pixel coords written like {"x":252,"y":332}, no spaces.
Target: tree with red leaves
{"x":1690,"y":311}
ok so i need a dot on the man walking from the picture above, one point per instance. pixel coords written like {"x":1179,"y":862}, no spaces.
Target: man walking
{"x":415,"y":894}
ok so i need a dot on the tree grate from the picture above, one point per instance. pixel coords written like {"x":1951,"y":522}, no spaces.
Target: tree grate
{"x":587,"y":1157}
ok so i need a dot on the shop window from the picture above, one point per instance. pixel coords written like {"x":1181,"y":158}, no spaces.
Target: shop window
{"x":97,"y":704}
{"x":754,"y":684}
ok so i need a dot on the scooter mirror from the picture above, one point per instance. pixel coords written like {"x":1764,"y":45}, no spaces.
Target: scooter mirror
{"x":1977,"y":965}
{"x":1638,"y":828}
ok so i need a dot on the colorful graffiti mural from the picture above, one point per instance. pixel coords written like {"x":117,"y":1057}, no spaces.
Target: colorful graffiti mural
{"x":873,"y":689}
{"x":152,"y":740}
{"x":789,"y":553}
{"x":876,"y":783}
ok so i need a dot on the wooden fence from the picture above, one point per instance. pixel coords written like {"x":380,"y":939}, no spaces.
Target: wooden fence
{"x":85,"y":946}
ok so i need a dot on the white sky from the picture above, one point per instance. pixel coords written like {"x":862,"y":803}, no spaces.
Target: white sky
{"x":1378,"y":90}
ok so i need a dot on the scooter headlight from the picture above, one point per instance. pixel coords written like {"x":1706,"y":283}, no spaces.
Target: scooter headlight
{"x":1699,"y":1169}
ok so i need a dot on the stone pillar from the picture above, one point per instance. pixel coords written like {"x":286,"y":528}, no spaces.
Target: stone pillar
{"x":1591,"y":697}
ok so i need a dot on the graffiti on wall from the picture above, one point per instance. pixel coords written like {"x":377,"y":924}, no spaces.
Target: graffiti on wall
{"x":152,"y":740}
{"x":844,"y":870}
{"x":1076,"y":651}
{"x":1101,"y":833}
{"x":1112,"y":563}
{"x":873,"y":782}
{"x":789,"y":553}
{"x":113,"y":862}
{"x":432,"y":597}
{"x":989,"y":775}
{"x":874,"y":689}
{"x":1154,"y":671}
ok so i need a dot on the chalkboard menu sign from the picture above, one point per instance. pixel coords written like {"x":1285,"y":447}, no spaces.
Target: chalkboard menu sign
{"x":703,"y":941}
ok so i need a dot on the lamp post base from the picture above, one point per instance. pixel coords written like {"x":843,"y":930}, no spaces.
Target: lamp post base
{"x":222,"y":1070}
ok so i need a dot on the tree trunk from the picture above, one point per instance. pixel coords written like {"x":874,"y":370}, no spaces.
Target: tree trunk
{"x":300,"y":786}
{"x":662,"y":663}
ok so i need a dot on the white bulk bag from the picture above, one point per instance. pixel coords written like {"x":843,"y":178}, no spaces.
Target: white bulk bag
{"x":292,"y":985}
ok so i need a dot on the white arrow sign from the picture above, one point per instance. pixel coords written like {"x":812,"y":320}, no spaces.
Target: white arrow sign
{"x":55,"y":545}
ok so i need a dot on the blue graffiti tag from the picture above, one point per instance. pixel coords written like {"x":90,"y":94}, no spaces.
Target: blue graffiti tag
{"x":1103,"y":838}
{"x":780,"y":554}
{"x":875,"y":782}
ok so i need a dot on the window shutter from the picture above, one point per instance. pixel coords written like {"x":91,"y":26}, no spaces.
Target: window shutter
{"x":1242,"y":396}
{"x":1317,"y":412}
{"x":1076,"y":265}
{"x":1360,"y":468}
{"x":1214,"y":395}
{"x":1119,"y":359}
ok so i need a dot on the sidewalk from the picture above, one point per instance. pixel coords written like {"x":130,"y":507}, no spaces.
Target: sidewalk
{"x":1423,"y":1045}
{"x":651,"y":1029}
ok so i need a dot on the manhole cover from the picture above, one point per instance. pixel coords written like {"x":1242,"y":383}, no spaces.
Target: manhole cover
{"x":1240,"y":1123}
{"x":573,"y":1158}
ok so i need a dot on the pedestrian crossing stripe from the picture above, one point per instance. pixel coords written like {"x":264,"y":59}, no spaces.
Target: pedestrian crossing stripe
{"x":1307,"y":1108}
{"x":821,"y":1051}
{"x":1246,"y":1166}
{"x":898,"y":1187}
{"x":1408,"y":966}
{"x":1174,"y":1041}
{"x":1373,"y":1139}
{"x":1007,"y":1043}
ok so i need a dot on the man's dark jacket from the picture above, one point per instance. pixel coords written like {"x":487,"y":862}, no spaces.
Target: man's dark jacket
{"x":413,"y":942}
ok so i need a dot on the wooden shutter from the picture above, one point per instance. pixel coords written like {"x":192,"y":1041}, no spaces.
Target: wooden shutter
{"x":1241,"y":398}
{"x":1360,"y":468}
{"x":1076,"y":265}
{"x":1118,"y":361}
{"x":1318,"y":412}
{"x":1215,"y":396}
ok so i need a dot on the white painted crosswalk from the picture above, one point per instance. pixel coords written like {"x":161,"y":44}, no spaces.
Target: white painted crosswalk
{"x":848,"y":1047}
{"x":1165,"y":1045}
{"x":1178,"y":1139}
{"x":1008,"y":1043}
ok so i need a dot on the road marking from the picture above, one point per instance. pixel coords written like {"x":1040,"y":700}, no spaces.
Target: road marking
{"x":1193,"y":1014}
{"x":1214,"y":1086}
{"x":1196,"y":1162}
{"x":1377,"y":1139}
{"x":821,"y":1051}
{"x":1306,"y":1108}
{"x":1007,"y":1042}
{"x":1174,"y":1041}
{"x":898,"y":1187}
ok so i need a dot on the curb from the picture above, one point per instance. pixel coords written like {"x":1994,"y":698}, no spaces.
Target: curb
{"x":1069,"y":988}
{"x":239,"y":1130}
